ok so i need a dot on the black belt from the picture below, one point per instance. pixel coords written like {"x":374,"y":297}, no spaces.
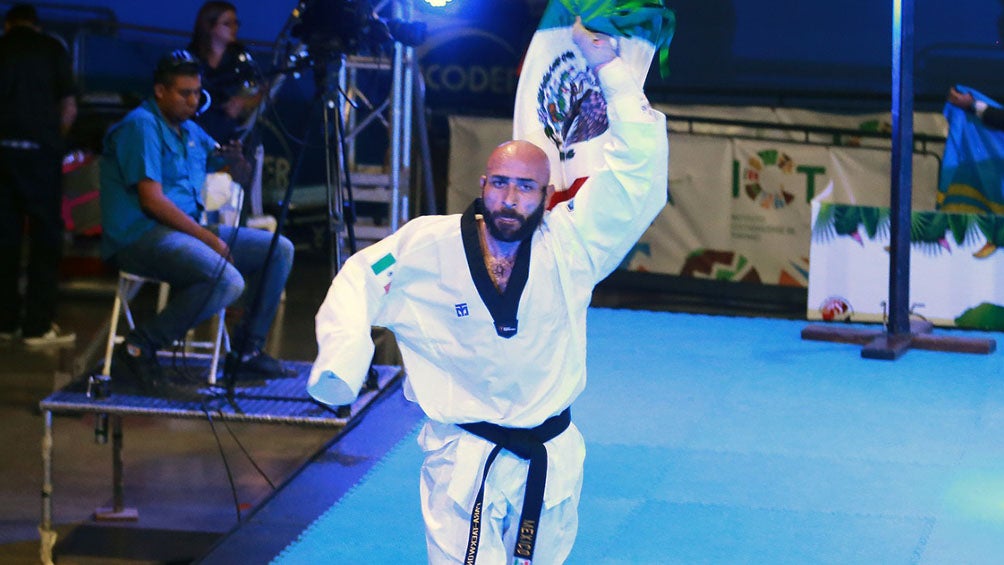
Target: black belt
{"x":527,"y":443}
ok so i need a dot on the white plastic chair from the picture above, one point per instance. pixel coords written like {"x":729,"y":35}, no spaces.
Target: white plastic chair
{"x":130,"y":283}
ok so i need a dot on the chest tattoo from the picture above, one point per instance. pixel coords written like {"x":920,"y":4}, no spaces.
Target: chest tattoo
{"x":500,"y":268}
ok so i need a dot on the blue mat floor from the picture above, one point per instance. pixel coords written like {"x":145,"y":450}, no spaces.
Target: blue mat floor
{"x":731,"y":440}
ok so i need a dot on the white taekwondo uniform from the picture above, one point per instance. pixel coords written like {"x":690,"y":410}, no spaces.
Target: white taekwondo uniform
{"x":420,"y":283}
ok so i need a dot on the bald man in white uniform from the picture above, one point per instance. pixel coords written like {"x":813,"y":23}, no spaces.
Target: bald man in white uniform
{"x":489,"y":311}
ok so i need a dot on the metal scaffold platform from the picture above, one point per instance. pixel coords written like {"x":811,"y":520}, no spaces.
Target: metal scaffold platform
{"x":268,"y":401}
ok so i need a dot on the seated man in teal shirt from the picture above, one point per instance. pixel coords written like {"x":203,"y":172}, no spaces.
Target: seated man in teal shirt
{"x":153,"y":168}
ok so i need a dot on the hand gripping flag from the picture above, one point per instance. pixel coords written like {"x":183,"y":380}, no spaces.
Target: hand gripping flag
{"x":972,"y":168}
{"x":559,"y":105}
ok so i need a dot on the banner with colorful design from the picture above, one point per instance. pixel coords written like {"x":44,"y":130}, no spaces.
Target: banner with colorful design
{"x":559,"y":105}
{"x":956,"y":266}
{"x":741,"y":208}
{"x":972,"y":173}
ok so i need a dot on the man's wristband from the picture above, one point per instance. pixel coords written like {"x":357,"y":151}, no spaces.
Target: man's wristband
{"x":979,"y":107}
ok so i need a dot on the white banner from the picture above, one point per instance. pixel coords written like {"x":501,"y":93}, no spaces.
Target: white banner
{"x":955,"y":280}
{"x":697,"y":216}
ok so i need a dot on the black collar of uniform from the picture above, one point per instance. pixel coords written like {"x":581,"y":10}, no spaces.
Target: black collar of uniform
{"x":502,"y":306}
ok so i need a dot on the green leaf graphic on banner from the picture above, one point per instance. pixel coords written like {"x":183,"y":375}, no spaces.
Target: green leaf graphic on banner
{"x":986,"y":316}
{"x":822,"y":230}
{"x":928,"y":227}
{"x":960,"y":225}
{"x":992,"y":227}
{"x":768,"y":156}
{"x":873,"y":218}
{"x":846,"y":219}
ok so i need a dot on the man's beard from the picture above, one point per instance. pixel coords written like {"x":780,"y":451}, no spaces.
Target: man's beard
{"x":525,"y":230}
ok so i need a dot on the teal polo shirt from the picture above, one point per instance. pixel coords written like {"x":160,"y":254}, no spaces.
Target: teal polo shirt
{"x":143,"y":146}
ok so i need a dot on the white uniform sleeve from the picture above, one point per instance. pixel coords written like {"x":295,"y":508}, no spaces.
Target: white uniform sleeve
{"x":344,"y":321}
{"x":623,"y":197}
{"x":625,"y":100}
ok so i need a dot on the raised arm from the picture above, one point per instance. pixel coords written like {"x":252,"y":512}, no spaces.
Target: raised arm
{"x":989,"y":115}
{"x":628,"y":190}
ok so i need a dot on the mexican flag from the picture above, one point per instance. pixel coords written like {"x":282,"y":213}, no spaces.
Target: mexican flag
{"x":559,"y":105}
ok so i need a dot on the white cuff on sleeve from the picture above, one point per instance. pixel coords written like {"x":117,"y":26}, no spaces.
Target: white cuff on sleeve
{"x":331,"y":390}
{"x":624,"y":97}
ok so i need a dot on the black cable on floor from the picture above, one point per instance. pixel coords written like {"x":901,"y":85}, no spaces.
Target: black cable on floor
{"x":226,"y":464}
{"x":248,"y":455}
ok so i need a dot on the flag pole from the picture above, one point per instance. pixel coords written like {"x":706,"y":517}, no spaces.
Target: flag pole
{"x":901,"y":333}
{"x":897,"y":339}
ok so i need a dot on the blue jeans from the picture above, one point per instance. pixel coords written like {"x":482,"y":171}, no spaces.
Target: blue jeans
{"x":203,"y":283}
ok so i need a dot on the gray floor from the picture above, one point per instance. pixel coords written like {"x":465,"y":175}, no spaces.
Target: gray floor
{"x":174,"y":473}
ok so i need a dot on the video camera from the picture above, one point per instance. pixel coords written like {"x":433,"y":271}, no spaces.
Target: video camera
{"x":350,"y":27}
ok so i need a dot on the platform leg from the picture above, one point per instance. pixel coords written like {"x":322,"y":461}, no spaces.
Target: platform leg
{"x":118,"y":512}
{"x":47,"y":535}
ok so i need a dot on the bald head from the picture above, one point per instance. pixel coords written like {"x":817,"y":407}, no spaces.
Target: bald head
{"x":522,"y":155}
{"x":514,"y":189}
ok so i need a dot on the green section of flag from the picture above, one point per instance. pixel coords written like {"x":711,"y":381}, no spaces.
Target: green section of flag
{"x":650,"y":20}
{"x":384,"y":262}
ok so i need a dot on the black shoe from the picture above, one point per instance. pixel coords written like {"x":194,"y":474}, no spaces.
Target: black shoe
{"x":256,"y":366}
{"x":143,"y":375}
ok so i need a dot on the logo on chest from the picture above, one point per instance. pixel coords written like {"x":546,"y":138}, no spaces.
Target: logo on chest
{"x":462,"y":310}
